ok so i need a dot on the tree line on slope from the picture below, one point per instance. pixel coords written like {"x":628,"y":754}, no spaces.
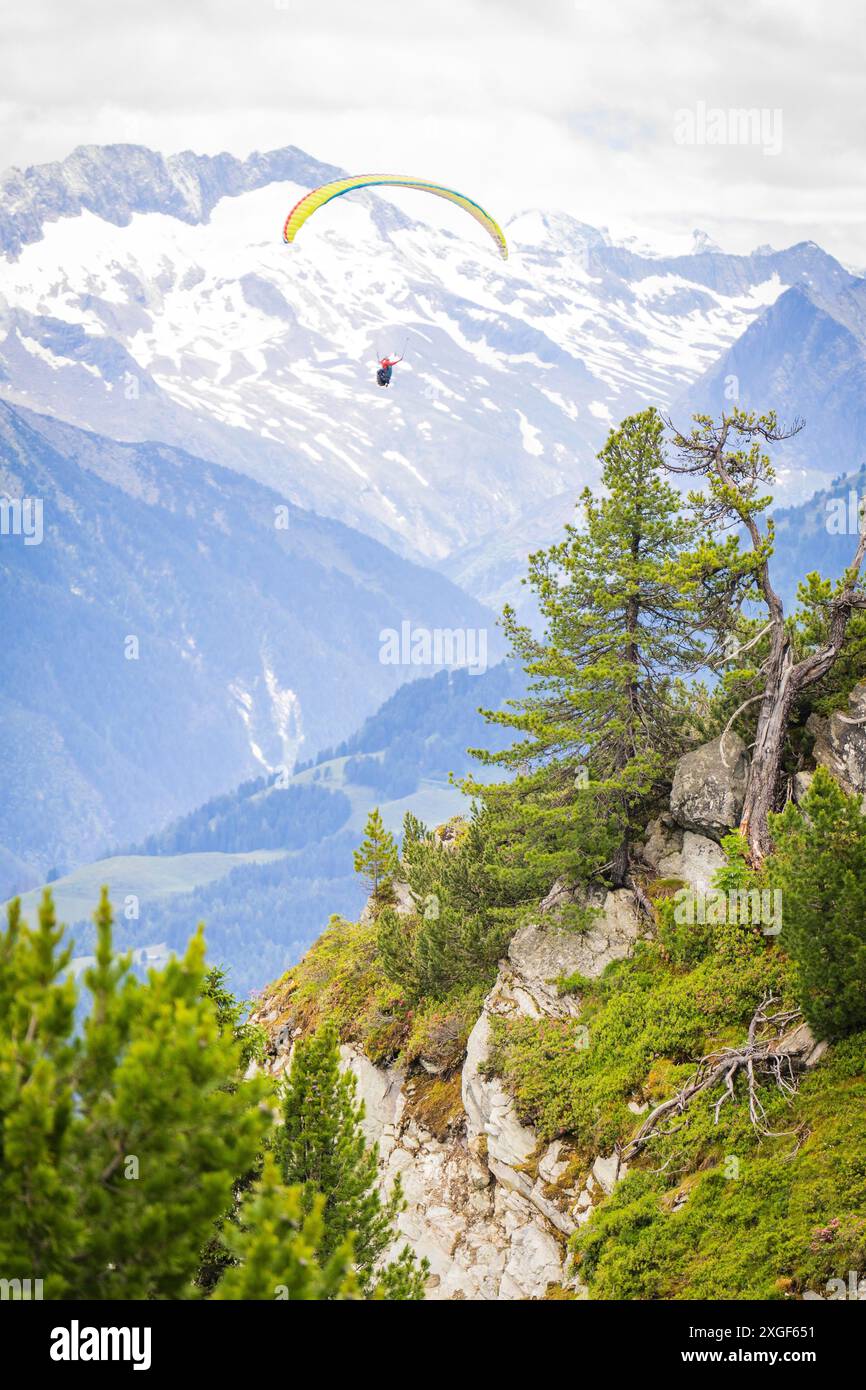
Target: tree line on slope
{"x":260,"y":814}
{"x":429,"y":722}
{"x":260,"y":917}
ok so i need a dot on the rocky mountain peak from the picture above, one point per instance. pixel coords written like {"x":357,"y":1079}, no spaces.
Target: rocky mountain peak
{"x":115,"y":181}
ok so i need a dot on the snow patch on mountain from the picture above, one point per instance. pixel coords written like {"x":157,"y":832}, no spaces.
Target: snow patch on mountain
{"x":156,"y":300}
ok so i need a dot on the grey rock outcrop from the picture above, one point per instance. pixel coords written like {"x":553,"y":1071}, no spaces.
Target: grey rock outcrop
{"x":840,"y":742}
{"x":539,"y":955}
{"x":381,"y":1090}
{"x":800,"y":1045}
{"x":483,"y":1239}
{"x":802,"y":783}
{"x":677,"y":853}
{"x":709,"y":786}
{"x":402,"y":902}
{"x":543,"y":952}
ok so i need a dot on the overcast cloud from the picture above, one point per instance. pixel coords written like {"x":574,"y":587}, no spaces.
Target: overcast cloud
{"x":553,"y":103}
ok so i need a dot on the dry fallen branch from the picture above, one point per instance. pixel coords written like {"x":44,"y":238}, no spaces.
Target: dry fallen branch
{"x":760,"y":1058}
{"x":643,"y":902}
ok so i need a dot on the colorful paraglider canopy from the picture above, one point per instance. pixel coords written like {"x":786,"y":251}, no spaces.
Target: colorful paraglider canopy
{"x":317,"y":197}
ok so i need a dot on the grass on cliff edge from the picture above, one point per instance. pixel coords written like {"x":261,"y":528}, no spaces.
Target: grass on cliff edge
{"x":640,"y":1030}
{"x":341,"y":978}
{"x":762,"y":1218}
{"x":712,"y":1210}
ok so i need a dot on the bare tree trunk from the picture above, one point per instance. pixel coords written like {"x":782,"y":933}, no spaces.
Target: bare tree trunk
{"x":761,"y":791}
{"x":741,"y":473}
{"x":784,"y":681}
{"x":759,"y":1056}
{"x":620,"y":862}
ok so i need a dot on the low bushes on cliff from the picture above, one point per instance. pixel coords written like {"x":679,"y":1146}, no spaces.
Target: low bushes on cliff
{"x":721,"y":1212}
{"x":819,"y":867}
{"x":641,"y":1027}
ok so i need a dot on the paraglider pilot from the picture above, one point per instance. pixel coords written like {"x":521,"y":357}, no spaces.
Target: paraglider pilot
{"x":386,"y":366}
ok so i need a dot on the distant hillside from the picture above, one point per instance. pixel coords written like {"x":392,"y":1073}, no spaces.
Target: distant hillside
{"x":804,"y":357}
{"x":239,"y":859}
{"x":134,"y":880}
{"x":178,"y":629}
{"x":809,"y":537}
{"x":258,"y":814}
{"x":425,"y":729}
{"x":421,"y":734}
{"x":259,"y":917}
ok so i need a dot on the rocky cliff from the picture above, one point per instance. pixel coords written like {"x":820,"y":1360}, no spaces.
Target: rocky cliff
{"x":490,"y":1203}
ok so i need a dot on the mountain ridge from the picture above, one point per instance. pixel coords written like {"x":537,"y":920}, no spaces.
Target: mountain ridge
{"x":101,"y":179}
{"x":213,"y":336}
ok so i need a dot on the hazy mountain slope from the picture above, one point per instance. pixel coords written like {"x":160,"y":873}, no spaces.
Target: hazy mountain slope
{"x":819,"y":535}
{"x":153,"y":298}
{"x":236,"y":860}
{"x":437,"y":719}
{"x":416,"y":739}
{"x":254,"y":643}
{"x":804,"y":357}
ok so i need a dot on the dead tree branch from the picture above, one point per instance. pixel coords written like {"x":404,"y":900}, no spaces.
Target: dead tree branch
{"x":759,"y":1058}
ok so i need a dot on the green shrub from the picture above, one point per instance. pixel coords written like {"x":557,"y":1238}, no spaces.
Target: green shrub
{"x":642,"y":1013}
{"x":784,"y":1217}
{"x":820,"y":866}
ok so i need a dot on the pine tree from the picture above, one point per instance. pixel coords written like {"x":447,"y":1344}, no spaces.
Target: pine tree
{"x":322,"y":1148}
{"x":277,"y":1247}
{"x":377,"y":856}
{"x":819,"y":864}
{"x":231,"y":1017}
{"x":40,"y":1225}
{"x":456,"y":934}
{"x":119,"y":1148}
{"x":396,"y":937}
{"x":603,"y":721}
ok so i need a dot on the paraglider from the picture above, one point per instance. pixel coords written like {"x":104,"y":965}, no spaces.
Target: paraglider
{"x":317,"y":197}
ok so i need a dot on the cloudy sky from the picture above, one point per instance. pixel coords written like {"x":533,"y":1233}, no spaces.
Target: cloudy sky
{"x":619,"y":111}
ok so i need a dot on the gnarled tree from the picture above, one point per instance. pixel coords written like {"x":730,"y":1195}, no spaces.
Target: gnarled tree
{"x":728,"y":456}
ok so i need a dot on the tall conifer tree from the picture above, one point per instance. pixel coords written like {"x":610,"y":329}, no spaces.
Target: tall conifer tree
{"x":277,"y":1247}
{"x":120,"y":1147}
{"x":603,"y":720}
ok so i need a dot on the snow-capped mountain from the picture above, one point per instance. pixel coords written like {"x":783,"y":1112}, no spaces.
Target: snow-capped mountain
{"x":153,"y":298}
